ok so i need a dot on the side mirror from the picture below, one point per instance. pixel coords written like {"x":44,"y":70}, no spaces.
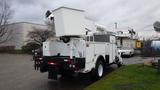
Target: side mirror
{"x":86,"y":32}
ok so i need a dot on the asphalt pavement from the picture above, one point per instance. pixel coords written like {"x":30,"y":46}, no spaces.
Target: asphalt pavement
{"x":138,"y":59}
{"x":17,"y":73}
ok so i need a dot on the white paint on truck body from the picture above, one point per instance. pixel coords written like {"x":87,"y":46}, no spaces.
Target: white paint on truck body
{"x":72,"y":23}
{"x":75,"y":47}
{"x":69,"y":21}
{"x":80,"y":48}
{"x":53,"y":48}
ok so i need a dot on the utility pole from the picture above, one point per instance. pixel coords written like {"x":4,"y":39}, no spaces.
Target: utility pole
{"x":116,"y":25}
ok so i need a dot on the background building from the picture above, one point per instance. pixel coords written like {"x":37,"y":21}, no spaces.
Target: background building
{"x":19,"y":34}
{"x":126,"y":40}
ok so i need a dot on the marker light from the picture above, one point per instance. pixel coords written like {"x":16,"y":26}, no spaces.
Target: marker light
{"x":51,"y":63}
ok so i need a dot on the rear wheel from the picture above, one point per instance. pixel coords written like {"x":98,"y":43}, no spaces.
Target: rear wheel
{"x":99,"y":69}
{"x":98,"y":72}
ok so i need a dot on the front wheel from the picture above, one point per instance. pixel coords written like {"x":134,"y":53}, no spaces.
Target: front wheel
{"x":119,"y":63}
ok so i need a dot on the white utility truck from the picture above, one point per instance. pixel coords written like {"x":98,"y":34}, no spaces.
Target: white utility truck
{"x":78,"y":46}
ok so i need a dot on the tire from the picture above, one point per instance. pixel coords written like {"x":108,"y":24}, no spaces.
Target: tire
{"x":99,"y":70}
{"x":119,"y":64}
{"x":130,"y":55}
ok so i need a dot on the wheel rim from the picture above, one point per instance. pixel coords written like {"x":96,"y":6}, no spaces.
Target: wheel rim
{"x":100,"y":70}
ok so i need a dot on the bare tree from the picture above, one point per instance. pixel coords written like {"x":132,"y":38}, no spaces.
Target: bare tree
{"x":51,"y":26}
{"x":5,"y":16}
{"x":39,"y":36}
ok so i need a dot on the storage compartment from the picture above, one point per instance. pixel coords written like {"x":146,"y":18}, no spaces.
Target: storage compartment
{"x":69,"y":22}
{"x":56,"y":48}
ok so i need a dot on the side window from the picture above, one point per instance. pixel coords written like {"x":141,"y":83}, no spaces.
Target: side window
{"x":89,"y":38}
{"x":101,"y":38}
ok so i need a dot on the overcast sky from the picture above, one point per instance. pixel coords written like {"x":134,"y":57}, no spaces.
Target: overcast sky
{"x":137,"y":14}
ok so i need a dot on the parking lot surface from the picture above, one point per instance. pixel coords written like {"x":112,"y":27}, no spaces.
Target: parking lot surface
{"x":17,"y":73}
{"x":138,"y":59}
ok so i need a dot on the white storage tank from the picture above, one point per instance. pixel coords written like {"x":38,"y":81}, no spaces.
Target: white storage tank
{"x":69,"y":22}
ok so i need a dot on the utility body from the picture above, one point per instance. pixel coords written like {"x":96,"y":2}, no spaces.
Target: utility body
{"x":70,"y":53}
{"x":80,"y":55}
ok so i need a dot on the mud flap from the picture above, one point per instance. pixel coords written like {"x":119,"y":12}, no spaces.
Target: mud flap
{"x":53,"y":73}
